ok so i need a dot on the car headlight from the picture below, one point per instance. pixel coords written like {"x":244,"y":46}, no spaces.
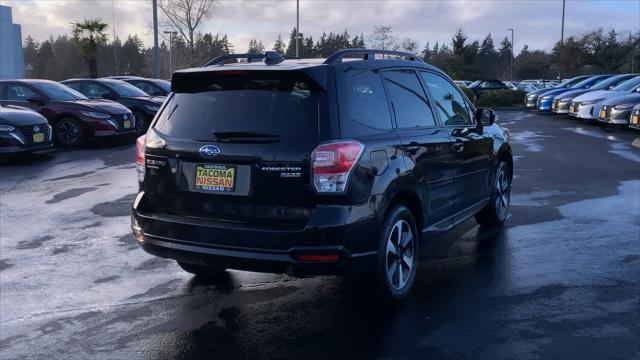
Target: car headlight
{"x":624,"y":106}
{"x":591,"y":102}
{"x":95,"y":115}
{"x":153,"y":108}
{"x":6,"y":128}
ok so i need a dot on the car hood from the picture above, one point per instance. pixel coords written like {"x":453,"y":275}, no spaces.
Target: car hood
{"x":18,"y":116}
{"x":597,"y":94}
{"x":149,"y":100}
{"x":554,"y":92}
{"x":628,"y":98}
{"x":572,"y":94}
{"x":98,"y":105}
{"x":538,"y":92}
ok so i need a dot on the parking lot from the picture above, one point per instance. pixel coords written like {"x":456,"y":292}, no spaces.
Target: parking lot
{"x":561,"y":280}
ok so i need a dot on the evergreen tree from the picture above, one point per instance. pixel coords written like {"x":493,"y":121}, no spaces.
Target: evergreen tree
{"x":255,"y":47}
{"x":278,"y":46}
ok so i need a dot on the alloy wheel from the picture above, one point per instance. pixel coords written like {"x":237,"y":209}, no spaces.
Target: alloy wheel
{"x":68,"y":132}
{"x":503,"y":193}
{"x":400,"y":257}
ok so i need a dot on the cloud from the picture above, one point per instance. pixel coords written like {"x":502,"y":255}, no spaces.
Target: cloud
{"x":537,"y":23}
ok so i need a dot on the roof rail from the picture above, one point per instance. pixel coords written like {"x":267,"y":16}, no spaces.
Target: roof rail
{"x":270,"y":58}
{"x":369,"y":54}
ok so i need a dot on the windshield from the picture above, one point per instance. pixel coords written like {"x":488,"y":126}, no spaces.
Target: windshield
{"x":124,"y":89}
{"x":611,"y":82}
{"x":164,"y":84}
{"x":587,"y":83}
{"x":60,"y":92}
{"x":281,"y":104}
{"x":628,"y":85}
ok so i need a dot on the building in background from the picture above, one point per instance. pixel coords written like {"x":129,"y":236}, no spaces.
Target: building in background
{"x":11,"y":60}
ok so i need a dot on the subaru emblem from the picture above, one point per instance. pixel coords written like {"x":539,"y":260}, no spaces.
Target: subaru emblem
{"x":36,"y":129}
{"x":209,"y":151}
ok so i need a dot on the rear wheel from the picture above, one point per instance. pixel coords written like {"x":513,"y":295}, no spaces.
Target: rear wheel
{"x":397,"y":255}
{"x":68,"y":132}
{"x":201,"y":271}
{"x":495,"y":213}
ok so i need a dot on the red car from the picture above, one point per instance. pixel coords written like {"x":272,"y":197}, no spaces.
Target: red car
{"x":74,"y":117}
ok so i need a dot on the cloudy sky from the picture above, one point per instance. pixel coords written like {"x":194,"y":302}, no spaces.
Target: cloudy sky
{"x":537,"y":22}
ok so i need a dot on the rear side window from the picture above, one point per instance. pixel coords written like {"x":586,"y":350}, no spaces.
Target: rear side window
{"x":368,"y":102}
{"x":408,"y":100}
{"x":281,"y":104}
{"x":452,"y":107}
{"x":17,"y":92}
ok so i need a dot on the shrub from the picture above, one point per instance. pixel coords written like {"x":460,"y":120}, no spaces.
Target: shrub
{"x":500,"y":98}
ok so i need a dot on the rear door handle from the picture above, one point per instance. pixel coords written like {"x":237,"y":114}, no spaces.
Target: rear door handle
{"x":412,"y":148}
{"x":458,"y":146}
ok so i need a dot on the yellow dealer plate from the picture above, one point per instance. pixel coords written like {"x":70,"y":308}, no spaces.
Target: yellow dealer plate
{"x":38,"y":137}
{"x":215,"y":178}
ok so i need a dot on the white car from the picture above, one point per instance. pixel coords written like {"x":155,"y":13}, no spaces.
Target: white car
{"x":587,"y":106}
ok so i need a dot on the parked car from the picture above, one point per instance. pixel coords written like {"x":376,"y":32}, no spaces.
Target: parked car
{"x":142,"y":105}
{"x":73,"y":116}
{"x":562,"y":103}
{"x":531,"y":99}
{"x":462,"y":83}
{"x":511,"y":85}
{"x":480,"y":86}
{"x":527,"y":88}
{"x":23,"y":130}
{"x":617,"y":110}
{"x":587,"y":106}
{"x":545,"y":102}
{"x":153,"y":87}
{"x":256,"y":191}
{"x":634,"y":120}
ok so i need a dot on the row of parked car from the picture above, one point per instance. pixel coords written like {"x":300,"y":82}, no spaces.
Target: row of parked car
{"x":610,"y":99}
{"x":480,"y":86}
{"x":36,"y":114}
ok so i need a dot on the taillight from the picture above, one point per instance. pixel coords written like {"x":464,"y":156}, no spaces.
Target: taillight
{"x":332,"y":164}
{"x":140,"y":147}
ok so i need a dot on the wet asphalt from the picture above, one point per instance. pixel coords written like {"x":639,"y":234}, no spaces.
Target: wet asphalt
{"x":561,"y":280}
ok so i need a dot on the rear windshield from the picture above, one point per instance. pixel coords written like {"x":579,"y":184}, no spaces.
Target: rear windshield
{"x":210,"y":106}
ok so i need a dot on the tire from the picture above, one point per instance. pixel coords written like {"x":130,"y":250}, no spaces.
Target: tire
{"x":206,"y":272}
{"x":68,"y":132}
{"x":397,"y":265}
{"x":496,"y":212}
{"x":141,"y":122}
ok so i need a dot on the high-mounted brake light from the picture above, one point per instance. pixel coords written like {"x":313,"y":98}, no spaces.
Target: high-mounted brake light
{"x":332,"y":164}
{"x":140,"y":147}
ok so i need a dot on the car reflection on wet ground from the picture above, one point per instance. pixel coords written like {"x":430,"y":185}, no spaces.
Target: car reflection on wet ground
{"x":560,"y":281}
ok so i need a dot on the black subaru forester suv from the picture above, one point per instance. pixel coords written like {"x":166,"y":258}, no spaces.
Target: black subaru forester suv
{"x":344,"y":165}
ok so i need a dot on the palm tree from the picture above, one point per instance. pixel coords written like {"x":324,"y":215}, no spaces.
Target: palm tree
{"x":88,"y":35}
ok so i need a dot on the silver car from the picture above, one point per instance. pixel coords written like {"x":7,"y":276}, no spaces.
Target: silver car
{"x":618,"y":110}
{"x":587,"y":106}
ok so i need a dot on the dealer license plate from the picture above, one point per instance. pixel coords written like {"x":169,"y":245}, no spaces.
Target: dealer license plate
{"x":215,"y":178}
{"x":38,"y":137}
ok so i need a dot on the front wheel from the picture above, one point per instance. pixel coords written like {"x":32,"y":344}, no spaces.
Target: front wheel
{"x":141,"y":122}
{"x":68,"y":132}
{"x":495,"y":213}
{"x":397,"y":255}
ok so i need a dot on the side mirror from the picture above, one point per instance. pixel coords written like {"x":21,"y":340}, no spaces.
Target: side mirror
{"x":108,"y":96}
{"x":485,"y":117}
{"x":36,"y":100}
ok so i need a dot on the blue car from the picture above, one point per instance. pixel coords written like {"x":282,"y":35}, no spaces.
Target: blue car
{"x":531,"y":99}
{"x":546,"y":100}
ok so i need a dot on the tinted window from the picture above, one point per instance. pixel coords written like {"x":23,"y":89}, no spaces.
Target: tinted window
{"x":409,"y":103}
{"x":57,"y":91}
{"x":450,"y":103}
{"x":146,"y":87}
{"x":95,"y":90}
{"x":368,"y":102}
{"x":164,"y":84}
{"x":123,"y":89}
{"x":75,"y":86}
{"x":17,"y":92}
{"x":628,"y":85}
{"x":276,"y":104}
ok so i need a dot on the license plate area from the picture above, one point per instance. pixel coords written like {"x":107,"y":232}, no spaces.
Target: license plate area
{"x":222,"y":179}
{"x":126,"y":124}
{"x":215,"y":178}
{"x":635,"y":119}
{"x":38,"y":137}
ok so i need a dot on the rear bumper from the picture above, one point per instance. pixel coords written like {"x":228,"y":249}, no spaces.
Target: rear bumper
{"x":340,"y":245}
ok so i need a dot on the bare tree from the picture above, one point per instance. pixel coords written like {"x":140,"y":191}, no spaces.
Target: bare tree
{"x":383,"y":38}
{"x":185,"y":16}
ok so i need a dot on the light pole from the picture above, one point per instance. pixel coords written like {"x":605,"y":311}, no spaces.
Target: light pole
{"x":297,"y":26}
{"x":171,"y":33}
{"x":562,"y":30}
{"x":156,"y":50}
{"x":512,"y":54}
